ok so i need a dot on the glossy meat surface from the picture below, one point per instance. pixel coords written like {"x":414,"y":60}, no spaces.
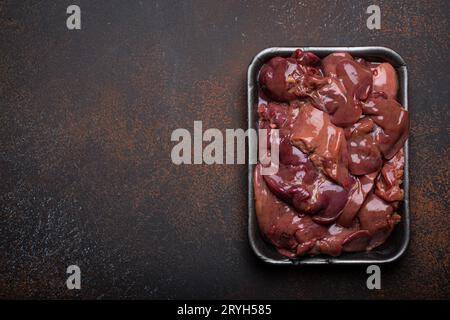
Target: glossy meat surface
{"x":341,"y":134}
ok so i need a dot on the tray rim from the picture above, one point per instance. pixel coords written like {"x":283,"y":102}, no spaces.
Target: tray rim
{"x":383,"y":52}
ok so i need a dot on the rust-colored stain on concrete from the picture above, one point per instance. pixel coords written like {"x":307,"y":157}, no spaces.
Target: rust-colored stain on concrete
{"x":85,"y":124}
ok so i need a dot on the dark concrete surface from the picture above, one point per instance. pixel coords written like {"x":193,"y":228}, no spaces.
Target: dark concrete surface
{"x":85,"y":124}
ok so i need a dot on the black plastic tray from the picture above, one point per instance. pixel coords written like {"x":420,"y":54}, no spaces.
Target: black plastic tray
{"x":397,"y":243}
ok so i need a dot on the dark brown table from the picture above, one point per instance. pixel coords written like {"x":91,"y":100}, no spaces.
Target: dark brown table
{"x":85,"y":125}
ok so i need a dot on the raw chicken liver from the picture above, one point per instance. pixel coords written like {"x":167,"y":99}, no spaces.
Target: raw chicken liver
{"x":341,"y":134}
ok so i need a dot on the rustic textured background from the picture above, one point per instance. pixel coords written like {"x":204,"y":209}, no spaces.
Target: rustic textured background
{"x":85,"y":124}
